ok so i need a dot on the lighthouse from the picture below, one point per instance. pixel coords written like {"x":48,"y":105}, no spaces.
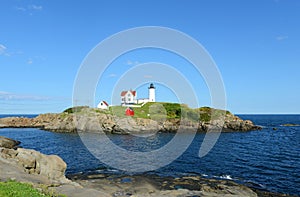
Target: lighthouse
{"x":151,"y":90}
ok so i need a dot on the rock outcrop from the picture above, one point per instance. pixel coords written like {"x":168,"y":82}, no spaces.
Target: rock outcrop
{"x":51,"y":167}
{"x":42,"y":171}
{"x":93,"y":121}
{"x":8,"y":143}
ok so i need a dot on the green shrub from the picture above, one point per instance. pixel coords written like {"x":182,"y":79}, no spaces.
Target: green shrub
{"x":205,"y":109}
{"x":205,"y":117}
{"x":75,"y":109}
{"x":173,"y":110}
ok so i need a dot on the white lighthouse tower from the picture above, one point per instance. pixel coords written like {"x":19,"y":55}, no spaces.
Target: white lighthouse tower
{"x":151,"y":90}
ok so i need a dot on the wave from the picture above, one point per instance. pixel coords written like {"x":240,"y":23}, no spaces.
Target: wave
{"x":227,"y":177}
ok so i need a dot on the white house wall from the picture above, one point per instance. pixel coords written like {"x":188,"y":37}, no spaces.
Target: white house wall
{"x":128,"y":98}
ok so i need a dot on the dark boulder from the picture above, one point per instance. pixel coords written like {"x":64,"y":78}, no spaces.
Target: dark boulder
{"x":8,"y":143}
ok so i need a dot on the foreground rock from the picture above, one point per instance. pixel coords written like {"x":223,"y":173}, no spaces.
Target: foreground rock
{"x":50,"y":167}
{"x":154,"y":186}
{"x":8,"y":143}
{"x":34,"y":167}
{"x":100,"y":121}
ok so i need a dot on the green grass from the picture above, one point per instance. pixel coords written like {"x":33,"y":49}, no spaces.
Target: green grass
{"x":139,"y":112}
{"x":16,"y":189}
{"x":160,"y":110}
{"x":119,"y":111}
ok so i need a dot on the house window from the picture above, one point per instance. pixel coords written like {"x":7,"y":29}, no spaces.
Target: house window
{"x":129,"y":99}
{"x":128,"y":95}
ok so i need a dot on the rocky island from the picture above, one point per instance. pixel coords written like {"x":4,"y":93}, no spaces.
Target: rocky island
{"x":162,"y":117}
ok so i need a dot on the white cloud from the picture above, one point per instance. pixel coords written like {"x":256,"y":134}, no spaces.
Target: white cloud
{"x":132,"y":63}
{"x":112,"y":75}
{"x":29,"y":8}
{"x":35,"y":7}
{"x":13,"y":96}
{"x":129,"y":62}
{"x":280,"y":38}
{"x":21,"y":9}
{"x":148,"y":76}
{"x":35,"y":59}
{"x":29,"y":61}
{"x":2,"y":92}
{"x":2,"y":49}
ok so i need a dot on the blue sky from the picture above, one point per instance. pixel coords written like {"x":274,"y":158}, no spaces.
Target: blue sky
{"x":255,"y":44}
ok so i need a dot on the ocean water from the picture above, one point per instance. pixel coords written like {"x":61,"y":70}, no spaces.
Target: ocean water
{"x":268,"y":159}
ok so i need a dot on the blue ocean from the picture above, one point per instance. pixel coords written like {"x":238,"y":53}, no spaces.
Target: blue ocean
{"x":268,"y":159}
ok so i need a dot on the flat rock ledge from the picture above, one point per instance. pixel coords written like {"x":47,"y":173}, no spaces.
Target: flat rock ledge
{"x":152,"y":186}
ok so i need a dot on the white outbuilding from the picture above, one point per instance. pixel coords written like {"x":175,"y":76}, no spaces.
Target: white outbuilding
{"x":103,"y":105}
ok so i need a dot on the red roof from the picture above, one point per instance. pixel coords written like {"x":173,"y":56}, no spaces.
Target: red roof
{"x":105,"y":103}
{"x":124,"y":92}
{"x":129,"y":112}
